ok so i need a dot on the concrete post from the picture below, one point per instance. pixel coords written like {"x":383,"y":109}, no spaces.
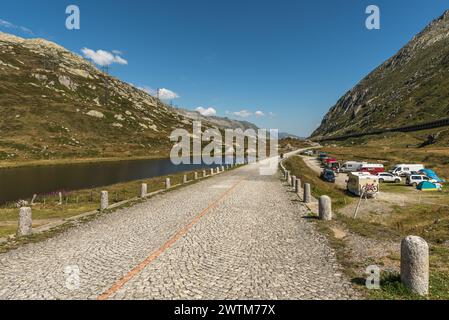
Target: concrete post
{"x":218,"y":170}
{"x":288,"y":176}
{"x":415,"y":264}
{"x":204,"y":174}
{"x":143,"y":190}
{"x":294,"y":182}
{"x":297,"y":185}
{"x":25,"y":222}
{"x":167,"y":183}
{"x":325,"y":208}
{"x":196,"y":176}
{"x":184,"y":179}
{"x":307,"y":196}
{"x":104,"y":200}
{"x":211,"y":172}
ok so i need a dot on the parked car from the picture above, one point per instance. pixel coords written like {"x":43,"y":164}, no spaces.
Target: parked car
{"x":402,"y":170}
{"x":328,"y":175}
{"x":351,"y":166}
{"x":334,"y":166}
{"x":372,"y":168}
{"x":321,"y":156}
{"x":415,"y":179}
{"x":308,"y":153}
{"x":388,"y":177}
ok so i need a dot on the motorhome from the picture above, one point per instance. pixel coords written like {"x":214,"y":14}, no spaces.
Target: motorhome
{"x":363,"y":183}
{"x":372,"y":168}
{"x":404,"y":169}
{"x":351,"y":166}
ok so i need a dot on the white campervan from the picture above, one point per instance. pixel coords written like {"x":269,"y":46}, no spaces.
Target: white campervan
{"x":405,"y":169}
{"x":351,"y":166}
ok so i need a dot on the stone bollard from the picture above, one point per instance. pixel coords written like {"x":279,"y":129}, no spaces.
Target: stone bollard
{"x":25,"y":222}
{"x":294,"y":182}
{"x":307,"y":197}
{"x":167,"y":183}
{"x":204,"y":174}
{"x":297,"y":185}
{"x":415,"y":264}
{"x":104,"y":200}
{"x":218,"y":170}
{"x":288,"y":176}
{"x":211,"y":172}
{"x":143,"y":190}
{"x":196,"y":176}
{"x":184,"y":179}
{"x":325,"y":208}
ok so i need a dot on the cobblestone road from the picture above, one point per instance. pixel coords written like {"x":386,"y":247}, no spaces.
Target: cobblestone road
{"x":238,"y":235}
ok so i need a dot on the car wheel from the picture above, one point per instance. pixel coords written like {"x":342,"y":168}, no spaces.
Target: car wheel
{"x":381,"y":180}
{"x":397,"y":180}
{"x":414,"y":184}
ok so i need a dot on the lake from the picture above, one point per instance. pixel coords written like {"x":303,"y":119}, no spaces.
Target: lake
{"x":23,"y":182}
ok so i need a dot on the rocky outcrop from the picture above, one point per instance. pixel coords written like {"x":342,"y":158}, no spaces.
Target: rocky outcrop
{"x":409,"y":88}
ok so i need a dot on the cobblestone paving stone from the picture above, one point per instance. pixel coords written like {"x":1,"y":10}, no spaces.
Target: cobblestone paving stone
{"x":254,"y":244}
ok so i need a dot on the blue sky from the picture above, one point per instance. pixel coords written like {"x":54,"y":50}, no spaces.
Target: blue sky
{"x":291,"y":58}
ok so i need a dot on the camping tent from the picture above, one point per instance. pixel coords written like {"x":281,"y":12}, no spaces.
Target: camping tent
{"x":428,"y":186}
{"x":431,"y":174}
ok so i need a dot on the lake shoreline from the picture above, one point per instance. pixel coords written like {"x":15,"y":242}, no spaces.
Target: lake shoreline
{"x":75,"y":161}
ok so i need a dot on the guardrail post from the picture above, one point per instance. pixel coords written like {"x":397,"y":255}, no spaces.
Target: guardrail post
{"x":167,"y":183}
{"x":288,"y":176}
{"x":218,"y":170}
{"x":222,"y":168}
{"x":325,"y":208}
{"x":211,"y":172}
{"x":143,"y":190}
{"x":184,"y":179}
{"x":307,"y":196}
{"x":104,"y":200}
{"x":25,"y":222}
{"x":415,"y":264}
{"x":196,"y":175}
{"x":294,"y":182}
{"x":204,"y":174}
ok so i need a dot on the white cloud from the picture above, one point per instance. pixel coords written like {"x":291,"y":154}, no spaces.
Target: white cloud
{"x":259,"y":114}
{"x":103,"y":58}
{"x":271,"y":114}
{"x":164,"y":94}
{"x":7,"y":24}
{"x":206,"y":112}
{"x":242,"y":113}
{"x":117,"y":52}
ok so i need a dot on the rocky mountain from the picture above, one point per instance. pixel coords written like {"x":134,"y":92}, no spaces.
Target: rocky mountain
{"x":54,"y":104}
{"x":286,"y":135}
{"x":410,"y":88}
{"x":218,"y":122}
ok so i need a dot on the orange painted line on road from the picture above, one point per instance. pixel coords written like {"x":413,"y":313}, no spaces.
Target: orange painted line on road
{"x":119,"y":284}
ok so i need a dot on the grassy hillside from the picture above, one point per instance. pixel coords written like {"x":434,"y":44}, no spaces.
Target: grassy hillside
{"x":56,"y":105}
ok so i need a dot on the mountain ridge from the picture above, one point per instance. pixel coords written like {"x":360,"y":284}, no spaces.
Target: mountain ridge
{"x":408,"y":88}
{"x":55,"y":104}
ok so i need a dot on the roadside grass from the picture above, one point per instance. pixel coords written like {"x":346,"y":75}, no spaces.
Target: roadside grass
{"x":319,"y":187}
{"x":429,"y":221}
{"x":47,"y":207}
